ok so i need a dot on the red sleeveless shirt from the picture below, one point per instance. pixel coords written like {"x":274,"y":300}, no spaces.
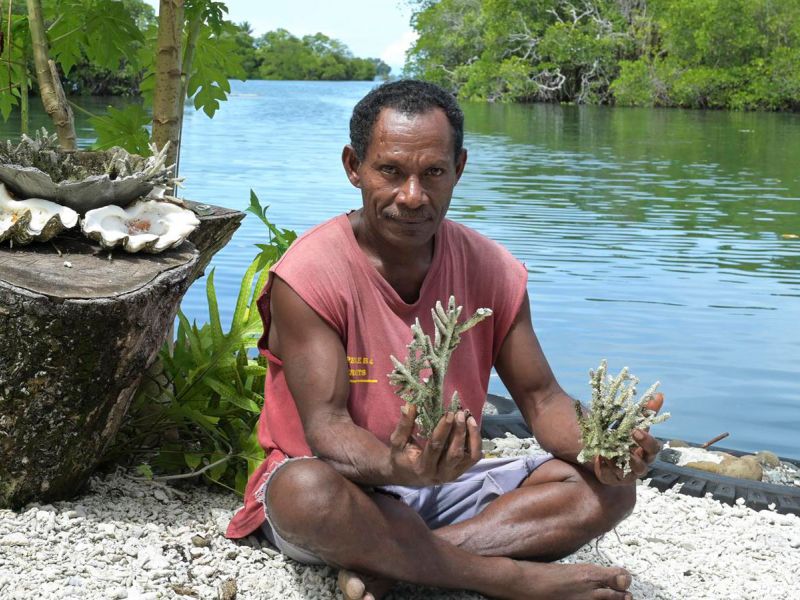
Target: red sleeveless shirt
{"x":331,"y":273}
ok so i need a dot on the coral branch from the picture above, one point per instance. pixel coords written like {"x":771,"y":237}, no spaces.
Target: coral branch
{"x":427,"y":393}
{"x":607,"y":429}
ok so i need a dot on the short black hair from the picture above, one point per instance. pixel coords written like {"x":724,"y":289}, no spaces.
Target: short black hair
{"x":410,"y":97}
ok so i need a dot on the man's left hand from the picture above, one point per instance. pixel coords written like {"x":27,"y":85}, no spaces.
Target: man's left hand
{"x":642,"y":455}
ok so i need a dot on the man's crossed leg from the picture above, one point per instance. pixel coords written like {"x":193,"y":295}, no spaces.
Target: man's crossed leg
{"x":502,"y":551}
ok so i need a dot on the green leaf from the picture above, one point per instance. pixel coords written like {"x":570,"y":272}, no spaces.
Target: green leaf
{"x":231,"y":395}
{"x":192,"y":459}
{"x":240,"y":312}
{"x":126,"y":128}
{"x":195,"y":347}
{"x":213,"y":310}
{"x":215,"y":473}
{"x":145,"y":471}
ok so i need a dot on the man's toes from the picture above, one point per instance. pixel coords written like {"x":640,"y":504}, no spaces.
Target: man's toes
{"x":352,"y":586}
{"x":608,"y":594}
{"x":621,"y":580}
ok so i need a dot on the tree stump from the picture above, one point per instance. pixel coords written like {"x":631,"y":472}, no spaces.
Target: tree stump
{"x":77,"y":332}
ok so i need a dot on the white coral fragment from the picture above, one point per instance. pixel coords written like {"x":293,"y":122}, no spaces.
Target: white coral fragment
{"x":427,"y":393}
{"x":32,"y":220}
{"x":607,"y":430}
{"x":145,"y":226}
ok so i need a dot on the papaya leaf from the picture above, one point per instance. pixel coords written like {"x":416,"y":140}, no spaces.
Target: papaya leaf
{"x":126,"y":128}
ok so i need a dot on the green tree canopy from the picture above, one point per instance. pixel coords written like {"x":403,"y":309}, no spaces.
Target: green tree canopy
{"x":282,"y":55}
{"x":698,"y":53}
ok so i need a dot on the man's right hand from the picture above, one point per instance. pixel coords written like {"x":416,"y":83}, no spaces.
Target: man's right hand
{"x":454,"y":446}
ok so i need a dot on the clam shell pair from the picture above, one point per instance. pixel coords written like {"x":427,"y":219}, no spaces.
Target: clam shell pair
{"x":144,"y":226}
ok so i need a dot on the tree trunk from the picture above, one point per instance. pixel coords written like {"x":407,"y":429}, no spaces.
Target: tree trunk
{"x":53,"y":98}
{"x":166,"y":120}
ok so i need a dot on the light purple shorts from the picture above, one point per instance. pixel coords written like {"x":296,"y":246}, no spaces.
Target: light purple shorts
{"x":438,"y":505}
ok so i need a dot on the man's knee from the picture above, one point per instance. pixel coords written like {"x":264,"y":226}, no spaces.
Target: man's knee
{"x":302,"y":495}
{"x":602,"y":507}
{"x":618,"y":503}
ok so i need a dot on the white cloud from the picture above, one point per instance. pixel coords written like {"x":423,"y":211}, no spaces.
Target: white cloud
{"x":395,"y":53}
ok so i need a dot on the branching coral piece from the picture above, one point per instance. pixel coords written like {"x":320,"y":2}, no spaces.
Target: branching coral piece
{"x":37,"y":168}
{"x":607,"y":430}
{"x":427,"y":393}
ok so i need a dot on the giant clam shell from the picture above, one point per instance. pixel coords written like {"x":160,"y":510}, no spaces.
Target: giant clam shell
{"x":145,"y":226}
{"x":32,"y":220}
{"x":37,"y":168}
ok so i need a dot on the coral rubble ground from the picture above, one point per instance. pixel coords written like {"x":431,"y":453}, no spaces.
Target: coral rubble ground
{"x":127,"y":538}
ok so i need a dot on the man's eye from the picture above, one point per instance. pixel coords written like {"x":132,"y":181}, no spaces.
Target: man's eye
{"x":435,"y":171}
{"x":388,"y":170}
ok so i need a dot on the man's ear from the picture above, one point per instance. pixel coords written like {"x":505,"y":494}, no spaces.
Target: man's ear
{"x":351,"y":165}
{"x":461,"y":163}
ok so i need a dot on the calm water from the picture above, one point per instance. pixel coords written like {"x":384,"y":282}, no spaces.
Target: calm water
{"x":653,"y":238}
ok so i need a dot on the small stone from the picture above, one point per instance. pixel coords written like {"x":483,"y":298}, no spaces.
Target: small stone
{"x":743,"y":468}
{"x":14,"y":539}
{"x":768,"y":459}
{"x":160,"y":495}
{"x":228,"y":590}
{"x":200,"y":542}
{"x":67,"y":264}
{"x":184,"y":590}
{"x":670,"y":456}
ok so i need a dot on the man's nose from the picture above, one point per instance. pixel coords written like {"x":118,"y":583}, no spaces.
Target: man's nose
{"x":411,"y":194}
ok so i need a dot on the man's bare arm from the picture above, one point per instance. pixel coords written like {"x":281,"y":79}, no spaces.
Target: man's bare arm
{"x":546,"y":408}
{"x":315,"y":368}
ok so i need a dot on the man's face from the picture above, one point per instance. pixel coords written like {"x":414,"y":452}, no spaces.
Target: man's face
{"x":407,"y":175}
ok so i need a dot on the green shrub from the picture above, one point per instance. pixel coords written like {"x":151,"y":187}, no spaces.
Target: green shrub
{"x":634,"y":86}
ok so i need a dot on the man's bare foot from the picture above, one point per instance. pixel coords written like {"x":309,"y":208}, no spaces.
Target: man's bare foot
{"x":547,"y":581}
{"x":362,"y":587}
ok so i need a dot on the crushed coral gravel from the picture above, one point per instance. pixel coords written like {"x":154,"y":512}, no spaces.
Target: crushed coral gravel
{"x":134,"y":539}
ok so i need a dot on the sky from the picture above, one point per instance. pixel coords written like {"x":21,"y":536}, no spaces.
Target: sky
{"x":370,"y":28}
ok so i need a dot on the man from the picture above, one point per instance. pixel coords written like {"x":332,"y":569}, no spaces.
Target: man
{"x":375,"y":501}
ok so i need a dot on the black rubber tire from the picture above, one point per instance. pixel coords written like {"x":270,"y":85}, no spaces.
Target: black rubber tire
{"x":662,"y":475}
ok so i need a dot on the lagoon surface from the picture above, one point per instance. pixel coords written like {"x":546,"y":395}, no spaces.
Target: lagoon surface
{"x":658,"y":239}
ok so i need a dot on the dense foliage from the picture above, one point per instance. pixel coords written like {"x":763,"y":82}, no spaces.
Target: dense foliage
{"x":281,"y":55}
{"x":694,"y":53}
